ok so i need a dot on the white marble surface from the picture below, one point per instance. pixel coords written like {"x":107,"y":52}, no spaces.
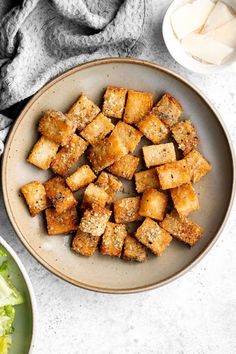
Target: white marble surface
{"x":194,"y":315}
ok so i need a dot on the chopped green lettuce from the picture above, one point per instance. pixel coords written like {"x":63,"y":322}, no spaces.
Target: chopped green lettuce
{"x":5,"y":344}
{"x":7,"y":316}
{"x":9,"y":295}
{"x":2,"y":252}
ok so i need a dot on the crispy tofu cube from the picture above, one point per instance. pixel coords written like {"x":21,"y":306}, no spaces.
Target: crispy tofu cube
{"x":61,"y":223}
{"x":182,"y":228}
{"x":97,"y":129}
{"x":94,"y":194}
{"x":197,"y":165}
{"x":129,"y":136}
{"x":110,"y":184}
{"x":59,"y":194}
{"x":133,"y":250}
{"x":153,"y":204}
{"x":125,"y":167}
{"x":146,"y":180}
{"x":155,"y":155}
{"x":94,"y":220}
{"x":35,"y":197}
{"x":185,"y":135}
{"x":114,"y":102}
{"x":126,"y":210}
{"x":151,"y":235}
{"x":106,"y":152}
{"x":153,"y":128}
{"x":56,"y":127}
{"x":84,"y":243}
{"x":173,"y":174}
{"x":80,"y":178}
{"x":43,"y":153}
{"x":113,"y":239}
{"x":83,"y":112}
{"x":138,"y":104}
{"x":168,"y":109}
{"x":68,"y":155}
{"x":185,"y":199}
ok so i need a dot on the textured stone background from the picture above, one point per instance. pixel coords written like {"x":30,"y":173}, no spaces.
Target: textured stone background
{"x":194,"y":315}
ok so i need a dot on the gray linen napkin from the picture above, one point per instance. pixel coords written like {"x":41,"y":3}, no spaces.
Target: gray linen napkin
{"x":40,"y":39}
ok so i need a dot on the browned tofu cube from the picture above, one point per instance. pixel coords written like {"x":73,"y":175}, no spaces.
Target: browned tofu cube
{"x":129,"y":136}
{"x":197,"y":165}
{"x":138,"y":104}
{"x":146,"y":179}
{"x":125,"y":167}
{"x":80,"y":178}
{"x":106,"y":152}
{"x":155,"y":155}
{"x":83,"y":112}
{"x":185,"y":135}
{"x":182,"y":228}
{"x":110,"y":184}
{"x":61,"y":223}
{"x":84,"y":243}
{"x":185,"y":199}
{"x":153,"y":128}
{"x":68,"y":155}
{"x":114,"y":102}
{"x":173,"y":174}
{"x":133,"y":250}
{"x":126,"y":210}
{"x":43,"y":153}
{"x":56,"y":127}
{"x":97,"y":129}
{"x":153,"y":204}
{"x":168,"y":109}
{"x":59,"y":194}
{"x":94,"y":194}
{"x":35,"y":197}
{"x":151,"y":235}
{"x":113,"y":239}
{"x":94,"y":220}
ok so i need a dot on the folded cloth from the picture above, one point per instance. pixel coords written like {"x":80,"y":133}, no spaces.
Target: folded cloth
{"x":40,"y":39}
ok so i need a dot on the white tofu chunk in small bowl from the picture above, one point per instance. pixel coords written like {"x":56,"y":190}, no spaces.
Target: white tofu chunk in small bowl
{"x":201,"y":34}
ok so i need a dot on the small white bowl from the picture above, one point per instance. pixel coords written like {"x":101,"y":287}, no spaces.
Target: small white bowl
{"x":178,"y":52}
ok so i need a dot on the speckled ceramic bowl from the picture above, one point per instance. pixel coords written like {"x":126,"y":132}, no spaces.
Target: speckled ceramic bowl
{"x":103,"y":273}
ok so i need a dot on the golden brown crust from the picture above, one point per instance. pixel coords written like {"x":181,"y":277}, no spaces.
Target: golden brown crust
{"x":61,"y":223}
{"x":56,"y":127}
{"x":125,"y":167}
{"x":138,"y":105}
{"x":133,"y":250}
{"x":114,"y":102}
{"x":43,"y":153}
{"x":185,"y":199}
{"x":58,"y":193}
{"x":185,"y":135}
{"x":80,"y":178}
{"x":197,"y":165}
{"x":155,"y":155}
{"x":151,"y":235}
{"x":146,"y":179}
{"x":113,"y":239}
{"x":182,"y":228}
{"x":127,"y":210}
{"x":84,"y":243}
{"x":168,"y":109}
{"x":35,"y":197}
{"x":94,"y":220}
{"x":82,"y":112}
{"x":97,"y":129}
{"x":94,"y":194}
{"x":129,"y":136}
{"x":153,"y":204}
{"x":68,"y":155}
{"x":173,"y":174}
{"x":153,"y":128}
{"x":110,"y":184}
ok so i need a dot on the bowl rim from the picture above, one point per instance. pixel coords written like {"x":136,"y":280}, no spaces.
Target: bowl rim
{"x":29,"y":287}
{"x":34,"y":252}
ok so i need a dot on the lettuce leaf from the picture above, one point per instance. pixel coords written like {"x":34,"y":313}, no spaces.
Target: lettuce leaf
{"x":9,"y":295}
{"x":7,"y":316}
{"x":5,"y":344}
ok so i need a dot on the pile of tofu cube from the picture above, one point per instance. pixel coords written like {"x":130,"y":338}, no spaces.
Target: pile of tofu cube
{"x":163,"y":195}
